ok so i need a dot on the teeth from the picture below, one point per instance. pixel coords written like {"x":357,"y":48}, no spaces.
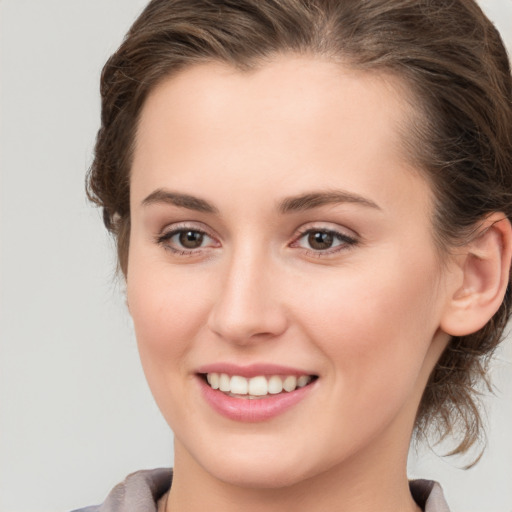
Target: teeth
{"x":275,"y":385}
{"x":213,"y":380}
{"x":290,"y":383}
{"x":224,"y":382}
{"x":256,"y":386}
{"x":302,"y":381}
{"x":239,"y":385}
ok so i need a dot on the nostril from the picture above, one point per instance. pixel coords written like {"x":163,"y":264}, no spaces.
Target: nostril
{"x":245,"y":329}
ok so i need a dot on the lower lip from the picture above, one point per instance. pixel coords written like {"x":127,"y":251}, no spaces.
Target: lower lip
{"x":252,"y":410}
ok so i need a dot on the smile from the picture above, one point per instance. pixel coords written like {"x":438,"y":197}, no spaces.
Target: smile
{"x":254,"y":393}
{"x":256,"y":387}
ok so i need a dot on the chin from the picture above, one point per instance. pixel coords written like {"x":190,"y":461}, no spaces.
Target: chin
{"x":254,"y":468}
{"x":273,"y":471}
{"x":260,"y":476}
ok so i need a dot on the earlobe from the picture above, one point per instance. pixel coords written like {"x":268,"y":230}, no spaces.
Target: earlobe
{"x":485,"y":268}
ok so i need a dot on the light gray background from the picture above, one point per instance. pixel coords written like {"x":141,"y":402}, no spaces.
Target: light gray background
{"x":76,"y":415}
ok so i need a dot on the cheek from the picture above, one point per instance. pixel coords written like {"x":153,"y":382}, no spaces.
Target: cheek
{"x":167,"y":309}
{"x":375,"y":328}
{"x":168,"y":312}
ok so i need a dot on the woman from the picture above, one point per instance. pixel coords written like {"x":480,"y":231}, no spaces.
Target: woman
{"x":312,"y":202}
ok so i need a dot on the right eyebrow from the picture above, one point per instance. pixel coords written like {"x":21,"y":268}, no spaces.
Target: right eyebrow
{"x":181,"y":200}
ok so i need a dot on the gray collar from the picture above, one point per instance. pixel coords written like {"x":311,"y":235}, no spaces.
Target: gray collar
{"x":141,"y":491}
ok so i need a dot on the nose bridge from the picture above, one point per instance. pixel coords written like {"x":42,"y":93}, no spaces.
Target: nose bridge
{"x":247,"y":305}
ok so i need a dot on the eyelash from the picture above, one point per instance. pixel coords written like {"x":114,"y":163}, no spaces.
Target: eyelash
{"x":164,"y":238}
{"x":346,"y":242}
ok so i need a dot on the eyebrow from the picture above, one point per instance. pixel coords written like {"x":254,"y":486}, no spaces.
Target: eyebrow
{"x":316,"y":199}
{"x":181,"y":200}
{"x":292,"y":204}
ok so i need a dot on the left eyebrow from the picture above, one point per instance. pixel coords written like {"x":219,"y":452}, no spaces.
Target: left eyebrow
{"x":316,"y":199}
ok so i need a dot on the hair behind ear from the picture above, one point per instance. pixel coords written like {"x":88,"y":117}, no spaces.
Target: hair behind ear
{"x":480,"y":287}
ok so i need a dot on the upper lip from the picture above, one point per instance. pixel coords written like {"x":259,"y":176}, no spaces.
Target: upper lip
{"x":251,"y":370}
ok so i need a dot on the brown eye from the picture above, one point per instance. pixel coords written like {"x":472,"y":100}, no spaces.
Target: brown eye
{"x":190,"y":239}
{"x":320,"y":240}
{"x":324,"y":241}
{"x":186,"y":241}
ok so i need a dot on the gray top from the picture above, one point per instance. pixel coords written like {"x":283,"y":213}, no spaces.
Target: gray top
{"x":141,"y":491}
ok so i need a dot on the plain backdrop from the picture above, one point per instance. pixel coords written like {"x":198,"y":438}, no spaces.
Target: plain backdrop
{"x":75,"y":413}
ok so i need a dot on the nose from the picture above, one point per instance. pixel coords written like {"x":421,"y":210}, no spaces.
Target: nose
{"x":248,"y":306}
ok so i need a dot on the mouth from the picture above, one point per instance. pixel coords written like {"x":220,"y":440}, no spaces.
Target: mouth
{"x":257,"y":387}
{"x":257,"y":392}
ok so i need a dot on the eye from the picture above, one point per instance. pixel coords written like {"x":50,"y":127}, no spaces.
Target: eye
{"x":323,"y":240}
{"x":189,"y":239}
{"x":186,"y":240}
{"x":320,"y":240}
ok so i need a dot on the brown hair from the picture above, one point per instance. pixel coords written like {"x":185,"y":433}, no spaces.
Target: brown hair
{"x":448,"y":54}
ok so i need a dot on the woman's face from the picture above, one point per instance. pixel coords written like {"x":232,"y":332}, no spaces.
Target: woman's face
{"x":279,"y":237}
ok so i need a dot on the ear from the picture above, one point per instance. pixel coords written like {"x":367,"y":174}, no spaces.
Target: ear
{"x":482,"y":278}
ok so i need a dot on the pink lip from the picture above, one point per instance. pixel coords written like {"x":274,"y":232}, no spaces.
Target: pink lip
{"x":252,"y":370}
{"x":255,"y":410}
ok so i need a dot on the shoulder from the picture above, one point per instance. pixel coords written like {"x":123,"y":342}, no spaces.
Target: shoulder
{"x":139,"y":492}
{"x":428,"y":495}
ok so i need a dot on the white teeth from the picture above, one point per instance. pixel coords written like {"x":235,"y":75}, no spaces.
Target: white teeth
{"x":238,"y":385}
{"x":290,"y":383}
{"x":224,"y":382}
{"x":275,"y":385}
{"x":256,"y":386}
{"x":302,"y":381}
{"x":213,"y":380}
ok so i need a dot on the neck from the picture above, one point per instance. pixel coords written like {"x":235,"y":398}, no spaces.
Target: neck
{"x":354,"y":486}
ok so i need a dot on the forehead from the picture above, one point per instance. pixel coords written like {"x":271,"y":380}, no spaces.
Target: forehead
{"x":288,"y":89}
{"x":292,"y":118}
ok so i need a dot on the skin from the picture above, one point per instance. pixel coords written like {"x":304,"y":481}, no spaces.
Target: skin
{"x":365,"y":316}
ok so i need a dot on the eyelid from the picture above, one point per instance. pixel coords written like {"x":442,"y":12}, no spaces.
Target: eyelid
{"x":347,"y":240}
{"x":170,"y":230}
{"x":327,"y":227}
{"x":183,"y":225}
